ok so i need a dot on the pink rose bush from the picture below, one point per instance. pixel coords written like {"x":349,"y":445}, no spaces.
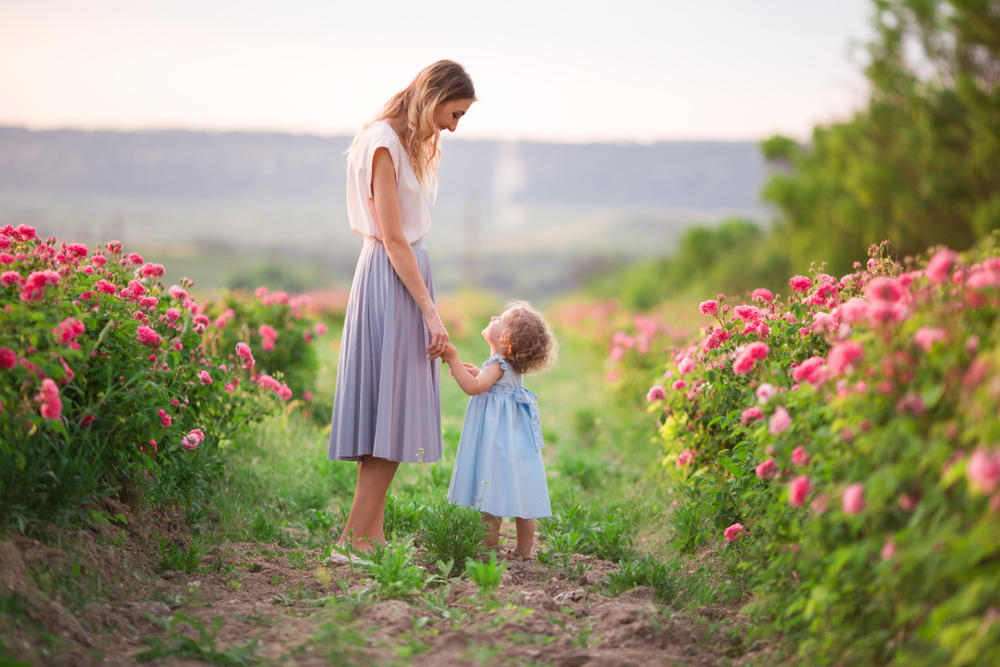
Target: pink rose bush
{"x":102,"y":362}
{"x":878,"y":390}
{"x":272,"y":333}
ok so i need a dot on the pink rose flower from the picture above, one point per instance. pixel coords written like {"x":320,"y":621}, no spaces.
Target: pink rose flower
{"x":800,"y":457}
{"x":925,"y":337}
{"x":8,"y":359}
{"x":884,"y":289}
{"x":939,"y":266}
{"x":679,"y":384}
{"x":267,"y":331}
{"x":820,"y":503}
{"x":765,"y":391}
{"x":811,"y":370}
{"x":655,"y":393}
{"x":68,"y":329}
{"x":907,"y":503}
{"x":798,"y":490}
{"x":853,"y":500}
{"x":194,"y":438}
{"x":51,"y":403}
{"x":205,"y":377}
{"x":147,"y":336}
{"x":780,"y":421}
{"x":888,"y":550}
{"x":733,"y":532}
{"x":766,"y":469}
{"x":762,"y":294}
{"x":799,"y":283}
{"x":844,"y":356}
{"x":165,"y":419}
{"x":243,"y":350}
{"x":151,"y":270}
{"x":684,"y":458}
{"x":747,"y":313}
{"x":751,"y":414}
{"x":983,"y":470}
{"x":135,"y":258}
{"x":685,"y":365}
{"x":742,"y":364}
{"x":709,"y":307}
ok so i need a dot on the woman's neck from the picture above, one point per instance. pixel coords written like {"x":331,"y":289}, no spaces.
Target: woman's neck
{"x":398,"y":124}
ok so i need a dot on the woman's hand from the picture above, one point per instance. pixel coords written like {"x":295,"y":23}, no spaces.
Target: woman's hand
{"x":438,"y":332}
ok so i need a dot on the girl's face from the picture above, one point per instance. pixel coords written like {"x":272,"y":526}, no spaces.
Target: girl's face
{"x":446,"y":115}
{"x":495,"y":330}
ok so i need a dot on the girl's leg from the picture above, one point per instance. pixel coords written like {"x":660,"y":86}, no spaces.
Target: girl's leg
{"x":365,"y":523}
{"x":493,"y":530}
{"x":525,"y":536}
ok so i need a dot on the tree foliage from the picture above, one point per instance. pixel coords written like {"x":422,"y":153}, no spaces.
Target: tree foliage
{"x":917,"y":165}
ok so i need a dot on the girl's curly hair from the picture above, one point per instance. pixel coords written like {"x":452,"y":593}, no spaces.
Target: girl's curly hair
{"x":528,"y":342}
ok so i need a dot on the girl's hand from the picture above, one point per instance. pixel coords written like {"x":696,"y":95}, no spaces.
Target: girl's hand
{"x":438,"y":332}
{"x":472,"y":368}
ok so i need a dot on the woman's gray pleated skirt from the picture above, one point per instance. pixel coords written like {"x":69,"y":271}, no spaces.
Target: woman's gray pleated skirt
{"x":388,"y":398}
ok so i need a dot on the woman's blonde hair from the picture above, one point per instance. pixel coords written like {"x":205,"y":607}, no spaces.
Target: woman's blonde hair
{"x":436,"y":84}
{"x":527,"y":344}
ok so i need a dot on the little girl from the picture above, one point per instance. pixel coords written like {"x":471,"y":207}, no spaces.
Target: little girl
{"x":499,"y":468}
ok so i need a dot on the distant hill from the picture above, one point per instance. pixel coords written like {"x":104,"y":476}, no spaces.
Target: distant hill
{"x":500,"y":204}
{"x":712,"y":175}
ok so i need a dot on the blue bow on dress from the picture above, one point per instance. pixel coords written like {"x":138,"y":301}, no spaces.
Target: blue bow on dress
{"x":527,"y":399}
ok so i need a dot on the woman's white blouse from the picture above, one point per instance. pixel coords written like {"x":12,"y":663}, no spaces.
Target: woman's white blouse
{"x":413,"y":207}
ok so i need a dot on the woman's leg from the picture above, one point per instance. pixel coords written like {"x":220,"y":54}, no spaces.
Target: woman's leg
{"x":525,"y":536}
{"x":365,"y":523}
{"x":493,"y":530}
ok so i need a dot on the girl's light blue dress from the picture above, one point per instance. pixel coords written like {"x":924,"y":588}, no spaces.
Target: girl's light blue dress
{"x":499,"y":466}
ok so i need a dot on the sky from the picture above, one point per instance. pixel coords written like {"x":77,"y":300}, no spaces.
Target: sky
{"x":580,"y":71}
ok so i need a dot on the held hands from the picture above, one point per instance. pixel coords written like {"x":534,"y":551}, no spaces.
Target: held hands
{"x":439,"y":335}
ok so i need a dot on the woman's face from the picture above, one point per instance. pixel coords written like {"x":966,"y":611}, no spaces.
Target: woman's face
{"x":446,"y":115}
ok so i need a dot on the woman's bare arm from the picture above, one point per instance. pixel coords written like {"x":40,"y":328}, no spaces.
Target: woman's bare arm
{"x":390,"y":222}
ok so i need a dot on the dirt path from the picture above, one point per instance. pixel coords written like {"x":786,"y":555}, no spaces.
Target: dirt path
{"x":261,"y":604}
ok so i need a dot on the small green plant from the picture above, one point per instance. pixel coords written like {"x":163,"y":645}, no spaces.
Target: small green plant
{"x":583,"y":637}
{"x":486,"y":575}
{"x":391,"y":570}
{"x":179,"y":558}
{"x":340,"y":644}
{"x":298,"y":560}
{"x":402,"y":518}
{"x":319,"y":522}
{"x":664,"y":577}
{"x":609,"y":541}
{"x":179,"y":645}
{"x":449,"y":532}
{"x":413,"y":647}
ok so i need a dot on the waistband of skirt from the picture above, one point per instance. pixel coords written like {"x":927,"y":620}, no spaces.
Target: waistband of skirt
{"x":419,"y":243}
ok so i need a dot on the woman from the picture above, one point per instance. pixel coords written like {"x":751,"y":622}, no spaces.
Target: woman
{"x":387,"y":406}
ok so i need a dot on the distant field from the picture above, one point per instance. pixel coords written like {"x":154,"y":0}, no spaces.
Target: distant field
{"x":304,"y":242}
